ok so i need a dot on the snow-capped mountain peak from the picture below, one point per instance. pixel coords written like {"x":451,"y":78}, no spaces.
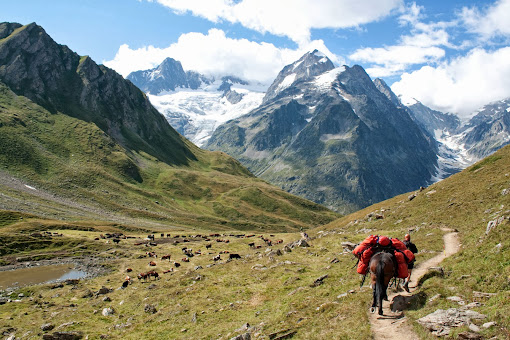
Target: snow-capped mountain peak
{"x":307,"y":67}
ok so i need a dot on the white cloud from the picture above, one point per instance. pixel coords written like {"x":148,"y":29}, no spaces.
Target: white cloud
{"x":489,"y":22}
{"x":422,"y":46}
{"x":214,"y":54}
{"x":462,"y":85}
{"x":291,"y":18}
{"x":396,"y":58}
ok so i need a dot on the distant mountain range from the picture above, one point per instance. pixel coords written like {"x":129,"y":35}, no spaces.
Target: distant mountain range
{"x":195,"y":105}
{"x":462,"y":143}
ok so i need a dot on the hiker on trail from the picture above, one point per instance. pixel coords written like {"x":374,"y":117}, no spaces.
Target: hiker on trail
{"x":412,"y":247}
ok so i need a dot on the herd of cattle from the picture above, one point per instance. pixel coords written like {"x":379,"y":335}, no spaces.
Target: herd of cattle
{"x":187,"y":252}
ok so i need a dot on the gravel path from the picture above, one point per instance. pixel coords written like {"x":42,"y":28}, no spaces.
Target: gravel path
{"x":393,"y":325}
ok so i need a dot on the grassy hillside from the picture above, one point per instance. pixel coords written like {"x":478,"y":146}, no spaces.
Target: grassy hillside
{"x":58,"y":167}
{"x":275,"y":294}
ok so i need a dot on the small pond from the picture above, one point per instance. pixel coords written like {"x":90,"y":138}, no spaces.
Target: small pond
{"x":40,"y":274}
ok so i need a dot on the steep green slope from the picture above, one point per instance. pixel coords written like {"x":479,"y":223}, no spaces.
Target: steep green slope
{"x":468,"y":202}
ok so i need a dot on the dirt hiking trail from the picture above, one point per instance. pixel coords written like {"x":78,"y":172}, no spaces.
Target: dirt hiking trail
{"x":394,"y":325}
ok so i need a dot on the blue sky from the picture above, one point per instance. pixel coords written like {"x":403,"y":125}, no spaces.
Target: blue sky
{"x":453,"y":55}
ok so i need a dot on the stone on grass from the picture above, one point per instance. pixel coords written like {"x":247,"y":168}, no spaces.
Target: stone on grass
{"x":319,"y":281}
{"x":474,"y":328}
{"x":104,"y":291}
{"x":245,"y":336}
{"x":469,"y":336}
{"x":47,"y":327}
{"x":108,"y":311}
{"x":63,"y":336}
{"x":489,"y":324}
{"x":151,"y":309}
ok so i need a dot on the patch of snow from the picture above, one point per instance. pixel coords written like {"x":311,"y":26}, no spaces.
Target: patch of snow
{"x":30,"y":187}
{"x":325,"y":80}
{"x":408,"y":100}
{"x":323,"y":60}
{"x":339,"y":136}
{"x":286,"y":82}
{"x":319,"y":54}
{"x":296,"y":65}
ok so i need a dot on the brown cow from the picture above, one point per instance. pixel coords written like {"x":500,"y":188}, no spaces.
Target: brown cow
{"x":152,"y":264}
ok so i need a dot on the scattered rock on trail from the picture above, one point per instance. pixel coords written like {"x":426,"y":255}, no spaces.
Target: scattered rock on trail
{"x":441,"y":321}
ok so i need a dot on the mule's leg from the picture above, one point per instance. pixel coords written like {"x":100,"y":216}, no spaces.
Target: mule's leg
{"x":382,"y":294}
{"x":374,"y":303}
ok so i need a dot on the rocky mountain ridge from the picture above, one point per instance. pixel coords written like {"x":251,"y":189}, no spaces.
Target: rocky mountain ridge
{"x":329,"y":134}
